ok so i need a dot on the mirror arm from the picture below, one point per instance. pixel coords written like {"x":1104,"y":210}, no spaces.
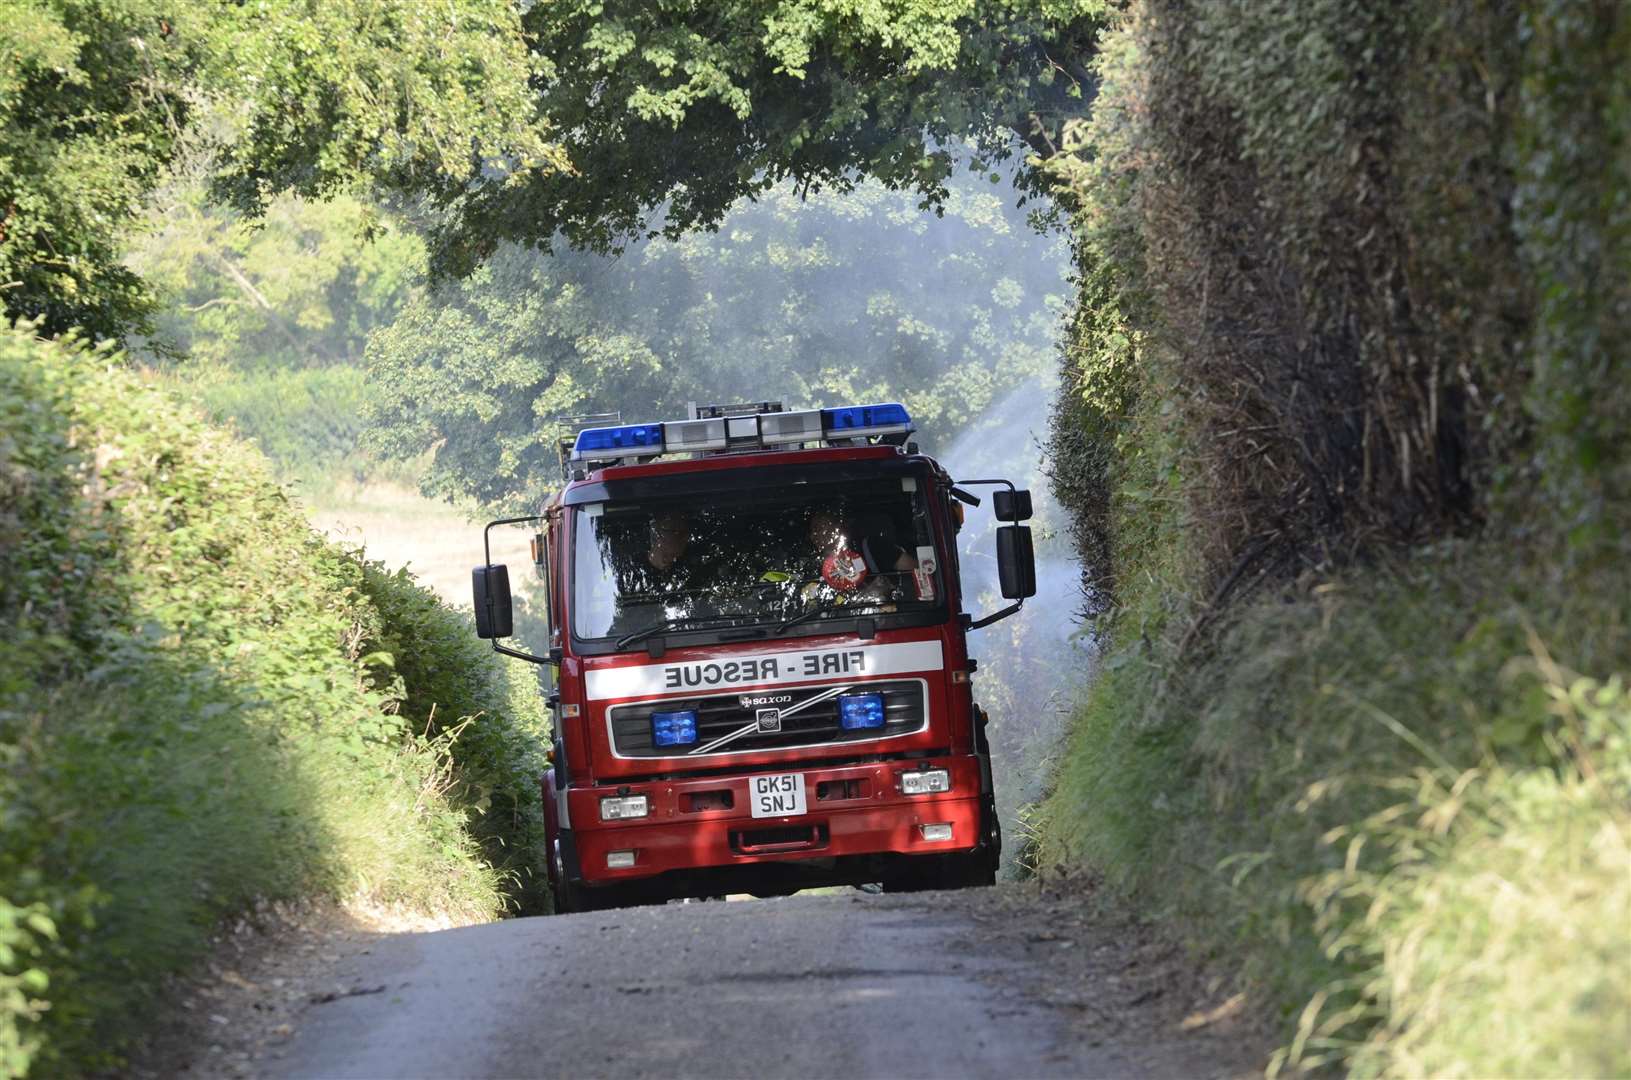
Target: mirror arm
{"x":1009,"y":484}
{"x":487,"y":559}
{"x":995,"y":616}
{"x":519,"y":655}
{"x":964,"y":497}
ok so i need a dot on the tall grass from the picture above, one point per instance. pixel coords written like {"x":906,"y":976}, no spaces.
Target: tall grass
{"x":203,"y":703}
{"x":1372,"y":798}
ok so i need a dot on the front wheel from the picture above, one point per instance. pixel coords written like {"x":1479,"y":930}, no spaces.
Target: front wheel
{"x":570,"y":897}
{"x":963,"y":870}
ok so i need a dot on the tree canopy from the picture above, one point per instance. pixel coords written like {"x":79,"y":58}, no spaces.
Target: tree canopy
{"x":98,"y":98}
{"x":301,"y":287}
{"x":495,"y":121}
{"x":671,"y":113}
{"x":814,"y":301}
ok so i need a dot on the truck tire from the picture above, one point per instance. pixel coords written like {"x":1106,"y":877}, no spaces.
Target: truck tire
{"x":570,"y":898}
{"x":961,"y":870}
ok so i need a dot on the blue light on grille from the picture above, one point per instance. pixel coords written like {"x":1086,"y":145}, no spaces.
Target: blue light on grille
{"x":632,"y":438}
{"x":674,"y":728}
{"x":859,"y":711}
{"x":861,"y":419}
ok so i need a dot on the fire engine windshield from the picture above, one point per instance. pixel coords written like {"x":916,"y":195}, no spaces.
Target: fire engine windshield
{"x":801,"y":554}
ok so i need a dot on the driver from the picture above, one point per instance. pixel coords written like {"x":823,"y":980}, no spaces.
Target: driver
{"x":670,"y":537}
{"x":653,"y":584}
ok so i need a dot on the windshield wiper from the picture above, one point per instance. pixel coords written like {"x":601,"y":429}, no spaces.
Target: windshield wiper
{"x":673,"y":623}
{"x":823,"y":609}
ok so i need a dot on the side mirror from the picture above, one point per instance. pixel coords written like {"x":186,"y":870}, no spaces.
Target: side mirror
{"x":1011,"y":506}
{"x":1016,"y":560}
{"x":494,"y":615}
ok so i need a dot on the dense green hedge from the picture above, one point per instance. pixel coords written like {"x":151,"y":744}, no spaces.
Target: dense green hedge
{"x":202,"y":703}
{"x":1356,"y":288}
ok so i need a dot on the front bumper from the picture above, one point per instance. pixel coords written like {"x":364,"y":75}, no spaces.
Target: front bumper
{"x":853,"y":810}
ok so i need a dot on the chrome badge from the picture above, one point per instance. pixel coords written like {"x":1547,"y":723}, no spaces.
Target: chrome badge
{"x":751,"y":701}
{"x":769,"y":720}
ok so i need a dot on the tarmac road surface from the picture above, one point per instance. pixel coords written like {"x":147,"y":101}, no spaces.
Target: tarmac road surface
{"x":846,"y":985}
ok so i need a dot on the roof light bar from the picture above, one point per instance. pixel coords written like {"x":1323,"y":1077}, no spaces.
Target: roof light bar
{"x":854,"y":421}
{"x":631,"y":440}
{"x":693,"y":436}
{"x":742,"y":432}
{"x":779,"y":429}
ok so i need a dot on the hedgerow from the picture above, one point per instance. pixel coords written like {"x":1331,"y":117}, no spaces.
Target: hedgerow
{"x":199,"y":707}
{"x":1355,"y":287}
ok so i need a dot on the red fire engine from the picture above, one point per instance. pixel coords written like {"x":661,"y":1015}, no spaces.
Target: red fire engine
{"x":763,"y":680}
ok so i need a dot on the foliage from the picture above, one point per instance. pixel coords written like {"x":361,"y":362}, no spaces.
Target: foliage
{"x":23,"y":933}
{"x":1574,"y":147}
{"x":421,"y":98}
{"x":672,"y":115}
{"x":266,"y":322}
{"x":99,"y":97}
{"x":195,"y":707}
{"x":1505,"y":909}
{"x":308,"y":421}
{"x":1351,"y":295}
{"x":90,"y":96}
{"x":1324,"y":800}
{"x":300,"y":287}
{"x":490,"y":709}
{"x":812,"y":301}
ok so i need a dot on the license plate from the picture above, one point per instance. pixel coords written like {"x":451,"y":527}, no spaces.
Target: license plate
{"x":777,"y":795}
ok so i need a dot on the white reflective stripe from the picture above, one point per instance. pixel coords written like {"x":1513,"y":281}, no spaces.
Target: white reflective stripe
{"x":764,"y":669}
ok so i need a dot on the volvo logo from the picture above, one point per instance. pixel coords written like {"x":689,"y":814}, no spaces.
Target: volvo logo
{"x":753,"y":701}
{"x":769,"y":720}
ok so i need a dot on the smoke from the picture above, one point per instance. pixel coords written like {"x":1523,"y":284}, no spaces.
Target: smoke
{"x":1032,"y":665}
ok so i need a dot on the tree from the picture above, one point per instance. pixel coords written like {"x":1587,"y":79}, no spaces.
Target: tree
{"x":689,"y":108}
{"x":302,"y":287}
{"x":91,"y":104}
{"x":99,"y":97}
{"x":815,"y":300}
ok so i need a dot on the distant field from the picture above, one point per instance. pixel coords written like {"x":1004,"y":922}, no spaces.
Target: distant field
{"x":438,"y":543}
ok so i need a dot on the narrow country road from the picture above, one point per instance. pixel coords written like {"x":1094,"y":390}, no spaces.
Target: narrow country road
{"x":995,"y":982}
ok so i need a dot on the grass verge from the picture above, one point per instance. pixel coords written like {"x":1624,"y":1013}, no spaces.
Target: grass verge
{"x":204,"y":703}
{"x":1397,"y":800}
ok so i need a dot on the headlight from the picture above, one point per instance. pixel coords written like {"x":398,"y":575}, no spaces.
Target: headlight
{"x":677,"y":728}
{"x":925,"y":782}
{"x":623,"y":807}
{"x":859,"y":711}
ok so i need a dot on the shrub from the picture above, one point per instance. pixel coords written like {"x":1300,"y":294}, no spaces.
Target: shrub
{"x":195,"y":710}
{"x":1353,"y":293}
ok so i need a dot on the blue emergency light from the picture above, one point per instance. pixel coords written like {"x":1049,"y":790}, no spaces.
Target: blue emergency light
{"x":864,"y":419}
{"x":620,"y":441}
{"x":678,"y":728}
{"x":857,"y":712}
{"x":754,"y":431}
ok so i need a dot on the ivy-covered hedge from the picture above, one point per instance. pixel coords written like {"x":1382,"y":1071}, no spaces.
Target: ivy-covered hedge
{"x":1343,"y":428}
{"x":203,"y":703}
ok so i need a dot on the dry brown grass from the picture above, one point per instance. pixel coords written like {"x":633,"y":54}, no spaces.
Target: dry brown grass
{"x":437,"y":542}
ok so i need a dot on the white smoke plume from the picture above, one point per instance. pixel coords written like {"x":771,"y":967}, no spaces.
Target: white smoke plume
{"x":1033,"y":665}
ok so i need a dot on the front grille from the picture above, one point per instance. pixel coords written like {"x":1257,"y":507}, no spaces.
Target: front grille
{"x":721,"y":714}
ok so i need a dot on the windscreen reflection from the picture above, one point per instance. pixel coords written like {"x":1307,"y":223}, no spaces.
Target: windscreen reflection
{"x":757,"y":557}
